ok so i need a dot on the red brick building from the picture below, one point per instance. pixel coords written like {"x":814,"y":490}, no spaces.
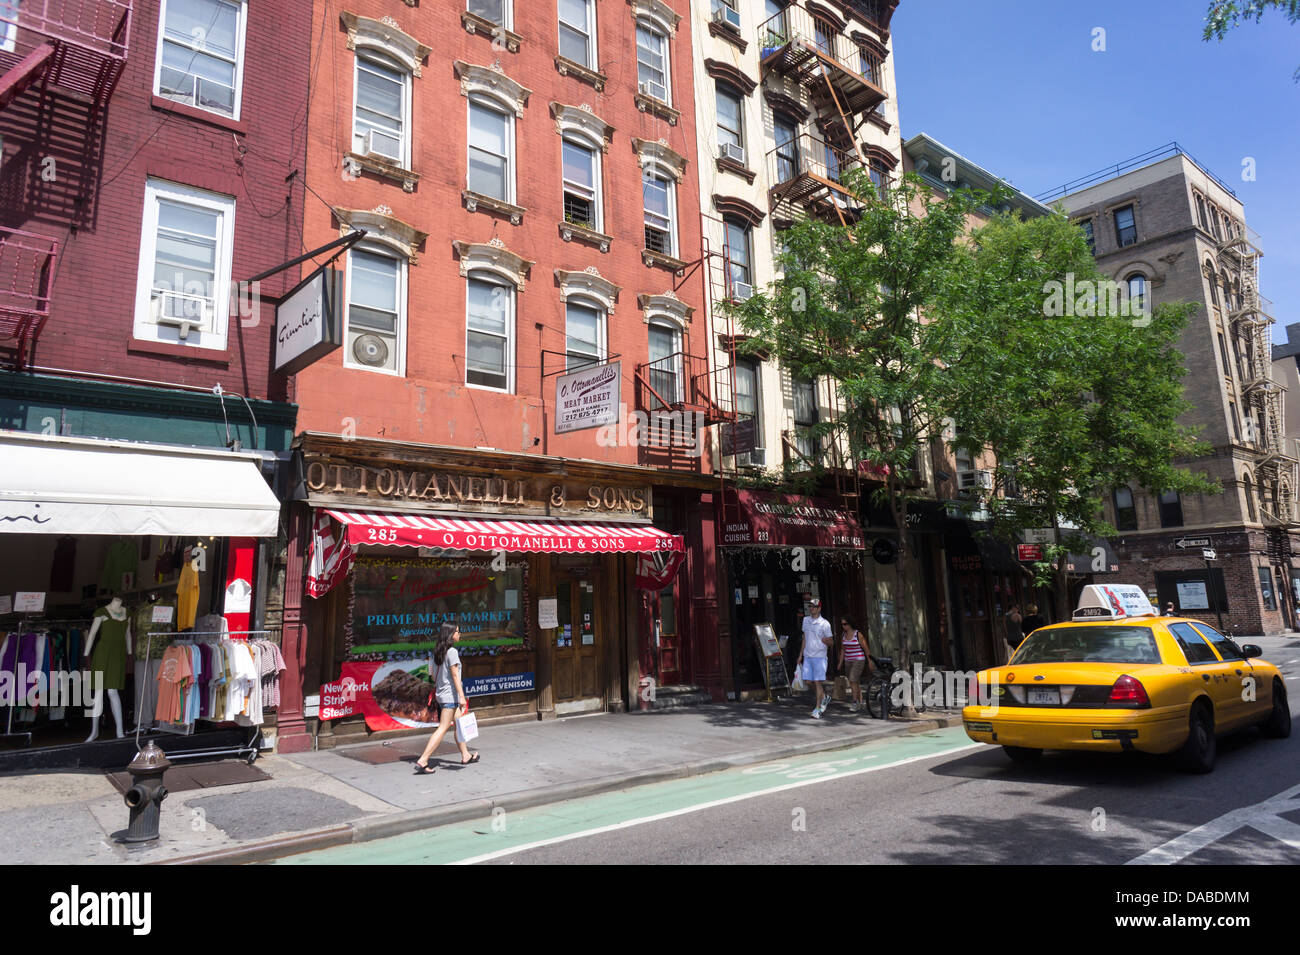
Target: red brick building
{"x":524,"y":179}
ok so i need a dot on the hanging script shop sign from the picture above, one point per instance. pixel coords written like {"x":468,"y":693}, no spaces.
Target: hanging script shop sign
{"x":588,"y":397}
{"x":309,"y":321}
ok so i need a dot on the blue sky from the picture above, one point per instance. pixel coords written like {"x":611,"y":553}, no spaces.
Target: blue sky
{"x":1016,"y":86}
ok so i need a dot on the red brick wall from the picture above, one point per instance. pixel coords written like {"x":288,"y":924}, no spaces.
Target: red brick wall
{"x":96,"y":203}
{"x":431,"y":404}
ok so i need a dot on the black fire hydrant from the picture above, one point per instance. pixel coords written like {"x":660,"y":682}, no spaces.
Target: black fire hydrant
{"x":146,"y":794}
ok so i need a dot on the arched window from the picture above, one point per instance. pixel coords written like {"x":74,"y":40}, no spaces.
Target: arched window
{"x":1137,"y":293}
{"x":1250,"y":497}
{"x":1171,"y":509}
{"x":1213,"y":280}
{"x":1125,"y":511}
{"x":382,"y":115}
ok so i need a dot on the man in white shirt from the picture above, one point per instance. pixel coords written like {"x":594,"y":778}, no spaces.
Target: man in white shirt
{"x":815,"y":655}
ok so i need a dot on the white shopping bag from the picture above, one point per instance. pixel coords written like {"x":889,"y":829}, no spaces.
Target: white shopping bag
{"x":467,"y":727}
{"x":797,"y":685}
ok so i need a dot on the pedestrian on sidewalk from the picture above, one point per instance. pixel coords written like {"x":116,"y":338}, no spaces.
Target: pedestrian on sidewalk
{"x":815,"y":655}
{"x":450,"y":694}
{"x":853,"y":660}
{"x":1015,"y":629}
{"x":1033,"y":619}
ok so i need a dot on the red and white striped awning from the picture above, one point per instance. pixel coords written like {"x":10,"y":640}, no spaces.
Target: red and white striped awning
{"x":534,"y":537}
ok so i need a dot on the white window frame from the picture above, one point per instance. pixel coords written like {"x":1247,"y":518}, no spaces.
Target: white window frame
{"x":654,"y":31}
{"x":403,"y":310}
{"x":679,"y":370}
{"x":721,"y":89}
{"x":146,"y":327}
{"x":481,"y":275}
{"x":240,"y":49}
{"x":9,"y":30}
{"x":598,"y":193}
{"x":652,"y":171}
{"x":507,"y":14}
{"x":494,"y":106}
{"x":377,"y":60}
{"x":593,"y":55}
{"x":602,"y":329}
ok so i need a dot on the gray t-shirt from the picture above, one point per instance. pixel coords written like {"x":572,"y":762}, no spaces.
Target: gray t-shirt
{"x":446,"y":687}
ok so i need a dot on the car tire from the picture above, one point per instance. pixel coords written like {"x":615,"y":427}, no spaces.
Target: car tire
{"x":1022,"y":754}
{"x":1278,"y":724}
{"x":1201,"y":748}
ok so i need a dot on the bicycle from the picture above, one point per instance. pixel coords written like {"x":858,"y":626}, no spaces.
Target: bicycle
{"x":880,"y":686}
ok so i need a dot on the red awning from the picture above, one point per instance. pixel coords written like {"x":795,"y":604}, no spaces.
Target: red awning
{"x":790,"y":520}
{"x":534,"y":537}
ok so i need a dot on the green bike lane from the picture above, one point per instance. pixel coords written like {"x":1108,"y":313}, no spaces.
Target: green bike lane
{"x":505,"y":833}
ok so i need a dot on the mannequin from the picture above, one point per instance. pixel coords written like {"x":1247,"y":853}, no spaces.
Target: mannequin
{"x":110,"y":636}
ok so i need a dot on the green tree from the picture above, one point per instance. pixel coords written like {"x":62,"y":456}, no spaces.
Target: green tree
{"x":1223,"y":15}
{"x":848,"y":310}
{"x":1073,"y":389}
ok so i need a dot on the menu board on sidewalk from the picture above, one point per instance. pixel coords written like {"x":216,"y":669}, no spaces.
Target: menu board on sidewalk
{"x":769,"y":648}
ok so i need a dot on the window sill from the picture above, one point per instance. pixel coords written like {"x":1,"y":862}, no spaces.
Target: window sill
{"x":735,"y":168}
{"x":475,"y":24}
{"x":727,"y":33}
{"x":567,"y":67}
{"x":355,"y":163}
{"x":211,"y":356}
{"x":661,"y":260}
{"x":476,"y":202}
{"x":649,"y":104}
{"x":572,"y":230}
{"x":202,"y":115}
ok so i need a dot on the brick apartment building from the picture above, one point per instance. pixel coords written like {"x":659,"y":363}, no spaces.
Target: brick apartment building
{"x":526,"y":178}
{"x":148,"y":154}
{"x":1168,"y":230}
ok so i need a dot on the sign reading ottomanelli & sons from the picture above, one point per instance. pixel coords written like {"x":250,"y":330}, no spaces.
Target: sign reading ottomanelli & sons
{"x":337,"y":483}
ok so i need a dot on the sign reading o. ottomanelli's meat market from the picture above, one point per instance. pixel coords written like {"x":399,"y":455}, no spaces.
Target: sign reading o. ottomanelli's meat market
{"x":588,"y":397}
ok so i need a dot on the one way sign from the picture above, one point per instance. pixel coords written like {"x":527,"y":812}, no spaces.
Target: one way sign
{"x":1184,"y":542}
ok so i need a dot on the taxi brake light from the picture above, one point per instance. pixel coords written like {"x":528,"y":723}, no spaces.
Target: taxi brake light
{"x":1129,"y":691}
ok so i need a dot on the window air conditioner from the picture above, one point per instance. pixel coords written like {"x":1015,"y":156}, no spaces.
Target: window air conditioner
{"x":741,"y":292}
{"x":374,"y":142}
{"x":182,"y":310}
{"x":727,"y":17}
{"x":975,"y":480}
{"x":731,"y":151}
{"x":752,"y":459}
{"x":653,"y":90}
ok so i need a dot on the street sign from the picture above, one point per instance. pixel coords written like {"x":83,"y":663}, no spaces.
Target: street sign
{"x":1029,"y":551}
{"x":1184,"y":542}
{"x":1209,"y":554}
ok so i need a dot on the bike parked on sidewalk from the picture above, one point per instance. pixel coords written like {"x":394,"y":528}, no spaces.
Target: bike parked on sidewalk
{"x":880,"y":686}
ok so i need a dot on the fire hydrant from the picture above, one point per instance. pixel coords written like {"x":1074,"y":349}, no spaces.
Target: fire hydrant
{"x":146,"y":794}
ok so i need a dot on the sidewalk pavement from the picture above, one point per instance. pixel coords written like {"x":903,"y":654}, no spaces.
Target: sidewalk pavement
{"x":368,"y":790}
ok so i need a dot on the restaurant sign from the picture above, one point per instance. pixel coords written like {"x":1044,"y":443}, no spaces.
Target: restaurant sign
{"x":790,"y":520}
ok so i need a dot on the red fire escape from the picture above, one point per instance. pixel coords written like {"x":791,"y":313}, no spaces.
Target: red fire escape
{"x":78,"y":49}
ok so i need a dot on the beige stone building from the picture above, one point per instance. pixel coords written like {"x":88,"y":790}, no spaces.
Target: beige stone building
{"x":1166,"y":229}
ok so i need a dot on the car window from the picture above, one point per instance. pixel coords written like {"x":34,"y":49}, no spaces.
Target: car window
{"x":1089,"y":645}
{"x":1194,"y":646}
{"x":1227,"y":649}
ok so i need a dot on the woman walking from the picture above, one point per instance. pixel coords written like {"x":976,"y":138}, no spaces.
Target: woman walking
{"x":450,"y":694}
{"x":853,"y":660}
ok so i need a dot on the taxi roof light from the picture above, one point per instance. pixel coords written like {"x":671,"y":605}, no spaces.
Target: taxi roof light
{"x":1129,"y":691}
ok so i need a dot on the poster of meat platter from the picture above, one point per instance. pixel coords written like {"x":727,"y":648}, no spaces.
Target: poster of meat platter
{"x":391,"y":696}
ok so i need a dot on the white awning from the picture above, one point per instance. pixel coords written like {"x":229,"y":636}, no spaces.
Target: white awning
{"x":55,"y":485}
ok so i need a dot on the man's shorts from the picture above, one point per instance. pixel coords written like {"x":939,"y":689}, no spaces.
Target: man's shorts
{"x":853,"y":670}
{"x":813,"y":669}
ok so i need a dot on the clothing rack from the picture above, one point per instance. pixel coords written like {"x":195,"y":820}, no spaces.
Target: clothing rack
{"x":29,"y":622}
{"x":250,"y":749}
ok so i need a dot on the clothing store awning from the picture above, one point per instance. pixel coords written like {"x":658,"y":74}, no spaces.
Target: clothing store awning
{"x":56,"y":485}
{"x":534,"y":537}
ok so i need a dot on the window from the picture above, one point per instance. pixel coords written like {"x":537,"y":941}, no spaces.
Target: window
{"x":1214,"y":223}
{"x":805,"y":416}
{"x":489,"y":332}
{"x":200,"y":54}
{"x":660,"y":195}
{"x":725,"y":12}
{"x":1137,"y":294}
{"x":1126,"y":517}
{"x":1227,"y":290}
{"x":1171,"y":509}
{"x":1227,"y":366}
{"x":775,"y":31}
{"x":1200,"y":213}
{"x":871,"y":67}
{"x":584,"y":333}
{"x":578,"y":31}
{"x":737,"y":259}
{"x":1266,"y":588}
{"x":381,"y":117}
{"x":665,"y":363}
{"x":786,"y":134}
{"x":183,"y":286}
{"x":1192,"y":643}
{"x":376,"y":315}
{"x":747,"y":396}
{"x":824,"y":35}
{"x":1086,"y":226}
{"x":731,"y":124}
{"x":8,"y":25}
{"x":1228,"y":650}
{"x":1250,"y":498}
{"x":652,"y":63}
{"x":581,"y":184}
{"x":494,"y":11}
{"x":1125,"y":226}
{"x":491,"y":149}
{"x":1214,"y":282}
{"x":880,"y":178}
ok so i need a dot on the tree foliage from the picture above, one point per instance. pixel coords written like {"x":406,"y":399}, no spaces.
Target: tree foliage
{"x":1224,"y":15}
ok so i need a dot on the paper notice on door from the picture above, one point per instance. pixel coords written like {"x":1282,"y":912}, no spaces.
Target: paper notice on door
{"x":548,"y":613}
{"x":512,"y":600}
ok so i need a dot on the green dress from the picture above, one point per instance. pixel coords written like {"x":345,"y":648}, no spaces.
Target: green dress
{"x":109,"y":653}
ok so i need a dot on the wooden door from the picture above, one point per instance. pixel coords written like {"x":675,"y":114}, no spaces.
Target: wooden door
{"x":975,"y":620}
{"x":576,"y":670}
{"x":670,"y":650}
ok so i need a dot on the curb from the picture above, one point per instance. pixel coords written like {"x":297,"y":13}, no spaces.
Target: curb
{"x":370,"y":828}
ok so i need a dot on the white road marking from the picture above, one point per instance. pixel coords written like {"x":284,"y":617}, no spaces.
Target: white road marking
{"x":658,"y":817}
{"x":1266,"y":817}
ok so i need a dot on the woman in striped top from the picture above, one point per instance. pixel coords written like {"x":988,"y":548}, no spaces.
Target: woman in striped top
{"x":853,"y":660}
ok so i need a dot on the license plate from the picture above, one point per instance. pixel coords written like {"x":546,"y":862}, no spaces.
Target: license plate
{"x":1044,"y":696}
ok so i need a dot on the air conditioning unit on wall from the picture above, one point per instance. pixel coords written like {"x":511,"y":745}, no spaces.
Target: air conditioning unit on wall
{"x":727,"y":17}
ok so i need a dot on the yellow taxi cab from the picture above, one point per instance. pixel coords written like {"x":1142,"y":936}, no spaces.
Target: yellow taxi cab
{"x":1120,"y":677}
